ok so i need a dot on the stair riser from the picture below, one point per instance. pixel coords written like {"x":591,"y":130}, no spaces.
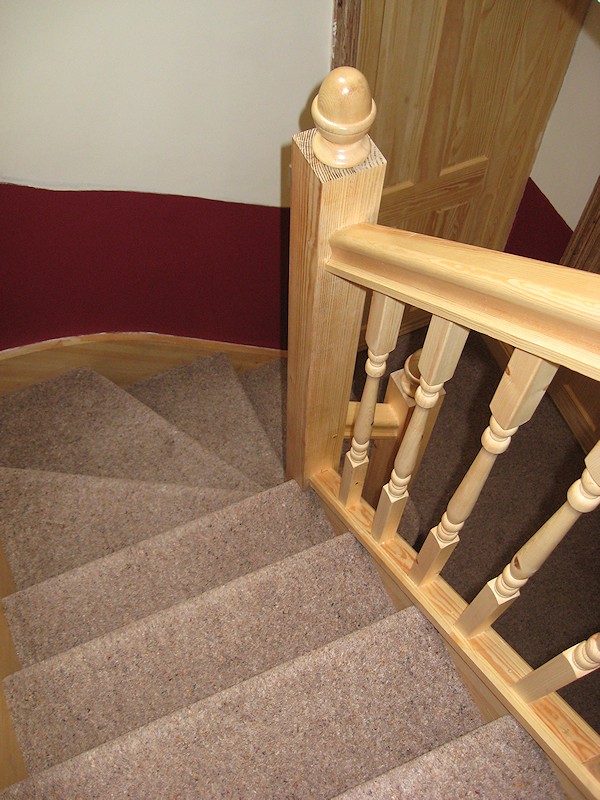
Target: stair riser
{"x":313,"y":727}
{"x":95,"y":599}
{"x":101,"y":690}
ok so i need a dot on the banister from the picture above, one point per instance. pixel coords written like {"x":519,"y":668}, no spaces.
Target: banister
{"x":550,"y":314}
{"x":544,"y":309}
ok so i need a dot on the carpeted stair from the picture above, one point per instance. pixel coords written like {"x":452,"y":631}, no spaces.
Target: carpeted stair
{"x":189,"y":626}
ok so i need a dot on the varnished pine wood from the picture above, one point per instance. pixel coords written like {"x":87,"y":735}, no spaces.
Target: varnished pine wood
{"x":386,"y":422}
{"x":583,"y":250}
{"x":346,"y":31}
{"x":519,"y":393}
{"x":382,"y":334}
{"x":548,"y":310}
{"x":399,"y":396}
{"x":464,"y":90}
{"x":12,"y":765}
{"x":566,"y":738}
{"x":441,"y":351}
{"x":576,"y":396}
{"x":325,"y":313}
{"x":343,"y":112}
{"x":488,"y":705}
{"x":568,"y":666}
{"x":498,"y":594}
{"x":124,"y":358}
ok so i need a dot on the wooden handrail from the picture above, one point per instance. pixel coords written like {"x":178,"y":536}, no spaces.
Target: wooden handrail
{"x":544,"y":309}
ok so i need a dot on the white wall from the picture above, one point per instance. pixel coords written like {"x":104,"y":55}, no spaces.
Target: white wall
{"x":190,"y":97}
{"x":568,"y":161}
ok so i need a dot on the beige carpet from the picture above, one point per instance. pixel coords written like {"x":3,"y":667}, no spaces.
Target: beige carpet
{"x":189,"y":626}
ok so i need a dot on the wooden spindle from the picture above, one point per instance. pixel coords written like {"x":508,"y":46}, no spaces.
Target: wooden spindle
{"x":519,"y":393}
{"x":400,"y":397}
{"x":383,"y":326}
{"x":410,"y":375}
{"x":442,"y":349}
{"x":568,"y":666}
{"x":499,"y":593}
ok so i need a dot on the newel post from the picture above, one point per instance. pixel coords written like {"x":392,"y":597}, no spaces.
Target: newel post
{"x":337,"y":179}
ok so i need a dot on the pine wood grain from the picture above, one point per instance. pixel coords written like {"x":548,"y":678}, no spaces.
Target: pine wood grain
{"x":325,"y":313}
{"x":550,"y":311}
{"x":124,"y":358}
{"x":464,"y":90}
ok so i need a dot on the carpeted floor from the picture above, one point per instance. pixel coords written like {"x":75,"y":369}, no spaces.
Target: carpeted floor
{"x":189,"y":626}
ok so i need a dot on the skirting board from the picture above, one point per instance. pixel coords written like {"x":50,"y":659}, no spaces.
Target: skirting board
{"x":124,"y":358}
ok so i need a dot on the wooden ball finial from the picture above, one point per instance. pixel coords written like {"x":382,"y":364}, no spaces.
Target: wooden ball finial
{"x":343,"y":113}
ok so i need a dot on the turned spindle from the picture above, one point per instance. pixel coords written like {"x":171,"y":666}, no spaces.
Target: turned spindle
{"x":343,"y":113}
{"x":566,"y":667}
{"x":382,"y":334}
{"x":519,"y":393}
{"x":498,"y":594}
{"x":441,"y":351}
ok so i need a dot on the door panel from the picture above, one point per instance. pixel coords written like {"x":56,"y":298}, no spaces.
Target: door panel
{"x":464,"y":89}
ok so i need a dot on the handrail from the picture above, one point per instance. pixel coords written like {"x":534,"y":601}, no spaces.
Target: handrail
{"x":548,"y":310}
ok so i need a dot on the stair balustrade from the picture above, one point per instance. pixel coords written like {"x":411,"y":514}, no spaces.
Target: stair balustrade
{"x":550,"y":315}
{"x":499,"y":593}
{"x":519,"y":393}
{"x":568,"y":666}
{"x":385,"y":316}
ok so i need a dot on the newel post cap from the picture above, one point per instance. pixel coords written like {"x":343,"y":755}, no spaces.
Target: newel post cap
{"x":343,"y":113}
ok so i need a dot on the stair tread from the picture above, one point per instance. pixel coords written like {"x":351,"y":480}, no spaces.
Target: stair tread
{"x":81,"y":423}
{"x":106,"y":687}
{"x":312,"y":727}
{"x":52,"y":522}
{"x":139,"y":580}
{"x":497,"y":760}
{"x":267,"y":389}
{"x":188,"y":397}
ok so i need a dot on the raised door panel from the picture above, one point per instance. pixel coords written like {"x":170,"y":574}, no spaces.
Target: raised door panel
{"x":464,"y":89}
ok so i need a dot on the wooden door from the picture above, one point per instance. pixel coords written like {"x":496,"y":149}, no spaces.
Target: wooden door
{"x":463,"y":89}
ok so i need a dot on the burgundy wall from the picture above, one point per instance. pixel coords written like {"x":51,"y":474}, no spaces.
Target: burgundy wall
{"x":538,"y":230}
{"x":86,"y":262}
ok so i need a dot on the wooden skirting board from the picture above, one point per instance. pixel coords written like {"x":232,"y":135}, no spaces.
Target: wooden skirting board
{"x":124,"y":358}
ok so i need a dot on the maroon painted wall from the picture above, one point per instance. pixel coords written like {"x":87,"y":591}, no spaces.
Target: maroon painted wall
{"x":86,"y":262}
{"x":538,"y":230}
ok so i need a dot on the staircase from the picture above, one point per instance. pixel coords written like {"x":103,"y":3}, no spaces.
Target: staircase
{"x":189,"y":626}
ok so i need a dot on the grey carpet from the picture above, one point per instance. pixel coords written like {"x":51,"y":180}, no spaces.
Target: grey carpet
{"x":312,"y":727}
{"x":206,"y":400}
{"x":80,"y":518}
{"x":98,"y":691}
{"x":512,"y":766}
{"x":163,"y":643}
{"x":98,"y":597}
{"x":83,"y":423}
{"x":267,"y":389}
